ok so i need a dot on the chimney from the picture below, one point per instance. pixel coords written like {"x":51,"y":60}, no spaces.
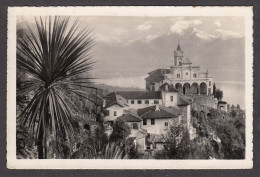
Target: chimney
{"x":166,"y":87}
{"x":157,"y":107}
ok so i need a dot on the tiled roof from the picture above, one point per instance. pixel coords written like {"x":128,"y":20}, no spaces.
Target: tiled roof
{"x":131,"y":117}
{"x":140,"y":94}
{"x":222,"y":102}
{"x":157,"y":75}
{"x":114,"y":98}
{"x":163,"y":112}
{"x":170,"y":88}
{"x":155,"y":78}
{"x":182,"y":101}
{"x":159,"y":71}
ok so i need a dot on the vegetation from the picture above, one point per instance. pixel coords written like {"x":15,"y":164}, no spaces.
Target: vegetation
{"x":120,"y":131}
{"x":217,"y":137}
{"x":54,"y":57}
{"x":232,"y":135}
{"x":214,"y":89}
{"x":58,"y":117}
{"x":218,"y":94}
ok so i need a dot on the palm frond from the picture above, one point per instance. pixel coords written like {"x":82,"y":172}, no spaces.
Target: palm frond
{"x":53,"y":55}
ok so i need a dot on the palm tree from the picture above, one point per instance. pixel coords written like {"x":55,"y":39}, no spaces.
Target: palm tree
{"x":57,"y":57}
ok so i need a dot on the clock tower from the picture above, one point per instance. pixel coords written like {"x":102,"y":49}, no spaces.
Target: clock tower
{"x":178,"y":55}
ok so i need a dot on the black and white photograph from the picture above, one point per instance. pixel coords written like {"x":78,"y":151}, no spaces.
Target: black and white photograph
{"x":130,"y":87}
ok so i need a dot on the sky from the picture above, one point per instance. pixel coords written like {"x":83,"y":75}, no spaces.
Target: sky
{"x":127,"y":48}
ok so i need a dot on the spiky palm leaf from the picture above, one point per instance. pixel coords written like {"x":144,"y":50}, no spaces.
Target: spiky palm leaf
{"x":113,"y":151}
{"x":55,"y":55}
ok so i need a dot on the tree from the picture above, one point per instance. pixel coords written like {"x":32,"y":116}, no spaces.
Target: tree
{"x":219,"y":94}
{"x":238,"y":107}
{"x":120,"y":131}
{"x":233,"y":113}
{"x":53,"y":55}
{"x":214,"y":89}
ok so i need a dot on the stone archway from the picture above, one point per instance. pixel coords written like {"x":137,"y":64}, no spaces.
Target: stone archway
{"x":203,"y":88}
{"x":178,"y":86}
{"x":186,"y":88}
{"x":194,"y":88}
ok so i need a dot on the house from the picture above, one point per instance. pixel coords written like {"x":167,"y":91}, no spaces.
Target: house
{"x":141,"y":99}
{"x":149,"y":113}
{"x":157,"y":119}
{"x":138,"y":134}
{"x":115,"y":106}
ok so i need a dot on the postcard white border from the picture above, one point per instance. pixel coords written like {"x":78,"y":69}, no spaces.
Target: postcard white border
{"x":13,"y":163}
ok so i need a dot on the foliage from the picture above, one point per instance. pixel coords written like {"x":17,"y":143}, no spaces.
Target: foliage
{"x":218,"y":94}
{"x":232,"y":136}
{"x":214,"y":89}
{"x":233,"y":113}
{"x":238,"y":107}
{"x":113,"y":151}
{"x":24,"y":145}
{"x":53,"y":56}
{"x":120,"y":131}
{"x":174,"y":150}
{"x":94,"y":145}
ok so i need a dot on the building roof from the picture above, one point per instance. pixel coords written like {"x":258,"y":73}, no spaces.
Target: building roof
{"x":182,"y":101}
{"x":140,"y":94}
{"x":155,"y":78}
{"x":168,"y":88}
{"x":162,"y":112}
{"x":130,"y":117}
{"x":157,"y":75}
{"x":159,"y":71}
{"x":113,"y":98}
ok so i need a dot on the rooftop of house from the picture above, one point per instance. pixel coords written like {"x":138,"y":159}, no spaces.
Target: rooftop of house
{"x":158,"y":112}
{"x":155,"y":78}
{"x":168,"y":88}
{"x":159,"y":71}
{"x":114,"y":98}
{"x":140,"y":94}
{"x":129,"y":117}
{"x":222,"y":102}
{"x":182,"y":101}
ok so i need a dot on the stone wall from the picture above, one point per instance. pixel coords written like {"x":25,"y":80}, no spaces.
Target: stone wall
{"x":205,"y":100}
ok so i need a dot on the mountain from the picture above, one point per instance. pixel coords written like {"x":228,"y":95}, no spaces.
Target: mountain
{"x":223,"y":58}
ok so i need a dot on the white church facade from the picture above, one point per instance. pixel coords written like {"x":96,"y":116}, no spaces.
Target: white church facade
{"x":185,"y":77}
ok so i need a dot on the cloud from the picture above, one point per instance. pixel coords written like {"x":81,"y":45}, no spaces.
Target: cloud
{"x":226,"y":34}
{"x":180,"y":26}
{"x":144,"y":27}
{"x":204,"y":35}
{"x":120,"y":31}
{"x":217,"y":23}
{"x":150,"y":37}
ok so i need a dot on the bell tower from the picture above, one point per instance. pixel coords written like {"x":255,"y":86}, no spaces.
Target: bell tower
{"x":178,"y":55}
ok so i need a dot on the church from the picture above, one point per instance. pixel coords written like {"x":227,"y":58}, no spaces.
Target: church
{"x":185,"y":77}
